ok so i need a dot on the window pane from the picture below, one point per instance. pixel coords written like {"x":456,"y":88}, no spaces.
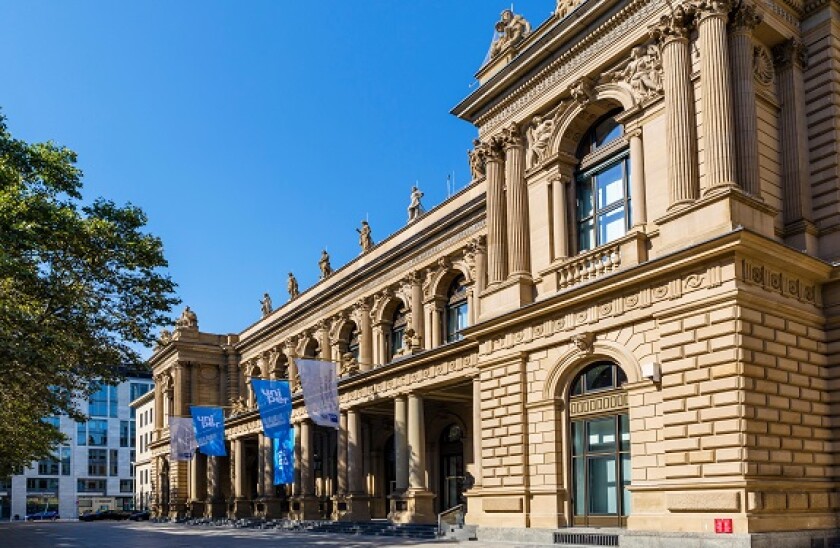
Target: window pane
{"x":586,"y":236}
{"x":580,"y":486}
{"x":625,"y":482}
{"x":584,"y":198}
{"x":599,"y":377}
{"x":577,"y":437}
{"x":607,"y":131}
{"x":65,"y":461}
{"x":98,"y":404}
{"x":611,"y":225}
{"x":115,"y":462}
{"x":112,"y":396}
{"x":624,"y":431}
{"x":610,"y":185}
{"x":603,"y":488}
{"x":81,"y":433}
{"x":97,"y":462}
{"x":123,"y":433}
{"x":97,"y":433}
{"x":601,"y":435}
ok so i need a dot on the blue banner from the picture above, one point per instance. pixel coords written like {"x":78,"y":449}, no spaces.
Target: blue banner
{"x":275,"y":402}
{"x":209,"y":423}
{"x":284,"y":458}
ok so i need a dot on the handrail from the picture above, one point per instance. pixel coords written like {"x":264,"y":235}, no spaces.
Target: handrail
{"x":446,"y":513}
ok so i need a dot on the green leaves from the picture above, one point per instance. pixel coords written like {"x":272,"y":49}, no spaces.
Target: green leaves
{"x":79,"y":283}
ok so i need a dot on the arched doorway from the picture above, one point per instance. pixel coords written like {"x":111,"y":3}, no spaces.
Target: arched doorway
{"x":451,"y":467}
{"x":600,"y":443}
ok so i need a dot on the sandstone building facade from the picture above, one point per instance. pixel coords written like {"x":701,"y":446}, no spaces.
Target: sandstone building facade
{"x":628,"y":319}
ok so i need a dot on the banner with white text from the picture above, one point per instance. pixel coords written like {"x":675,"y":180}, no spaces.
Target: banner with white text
{"x":284,"y":458}
{"x":209,"y":425}
{"x":320,"y":391}
{"x":274,"y":400}
{"x":182,"y":438}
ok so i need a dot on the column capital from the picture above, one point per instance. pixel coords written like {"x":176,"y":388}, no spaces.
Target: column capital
{"x":705,"y":9}
{"x":790,"y":53}
{"x":745,"y":18}
{"x":490,"y":151}
{"x":511,"y":137}
{"x":673,"y":26}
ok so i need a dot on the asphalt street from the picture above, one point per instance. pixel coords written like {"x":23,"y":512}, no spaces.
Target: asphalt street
{"x":73,"y":534}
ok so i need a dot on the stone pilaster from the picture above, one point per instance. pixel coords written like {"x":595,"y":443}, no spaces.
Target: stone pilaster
{"x":342,"y":453}
{"x":289,"y":351}
{"x":215,"y":507}
{"x":519,"y":261}
{"x":241,"y":506}
{"x":681,"y":131}
{"x":791,"y":59}
{"x":358,"y":502}
{"x":637,"y":178}
{"x":716,"y":85}
{"x":742,"y":22}
{"x":365,"y":337}
{"x":560,"y":220}
{"x":417,"y":316}
{"x":420,"y":507}
{"x":401,"y":443}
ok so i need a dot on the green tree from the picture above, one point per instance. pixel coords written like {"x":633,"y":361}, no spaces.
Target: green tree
{"x":80,"y":284}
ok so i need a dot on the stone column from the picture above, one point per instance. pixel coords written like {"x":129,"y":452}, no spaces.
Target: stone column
{"x":178,"y":391}
{"x":716,"y":85}
{"x":342,"y":453}
{"x":741,"y":46}
{"x":239,"y":463}
{"x":401,"y":443}
{"x":381,"y":355}
{"x":232,"y":364}
{"x":637,"y":179}
{"x":324,"y":341}
{"x":355,"y":463}
{"x":518,"y":239}
{"x":195,"y":370}
{"x":436,"y":319}
{"x":297,"y":487}
{"x":289,"y":351}
{"x":560,"y":219}
{"x":791,"y":59}
{"x":365,"y":337}
{"x":681,"y":131}
{"x":307,"y":476}
{"x":417,"y":315}
{"x":158,"y":405}
{"x":266,"y":481}
{"x":416,"y":443}
{"x":496,"y":217}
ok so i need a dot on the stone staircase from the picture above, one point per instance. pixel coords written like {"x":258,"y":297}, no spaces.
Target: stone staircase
{"x":374,"y":528}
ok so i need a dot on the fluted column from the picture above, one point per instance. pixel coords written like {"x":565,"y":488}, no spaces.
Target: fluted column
{"x":297,"y":487}
{"x":496,"y":215}
{"x":365,"y":337}
{"x":214,"y":483}
{"x":401,"y":443}
{"x":791,"y":59}
{"x":436,"y":316}
{"x":342,"y":453}
{"x":239,"y":468}
{"x":559,"y":221}
{"x":716,"y":85}
{"x":158,"y":405}
{"x":307,"y":475}
{"x":681,"y":131}
{"x":417,"y":315}
{"x":416,"y":443}
{"x":479,"y":248}
{"x":355,"y":450}
{"x":266,"y":446}
{"x":324,"y":341}
{"x":178,"y":396}
{"x":289,"y":351}
{"x":380,"y":343}
{"x":519,"y":251}
{"x":742,"y":23}
{"x":637,"y":179}
{"x":232,"y":365}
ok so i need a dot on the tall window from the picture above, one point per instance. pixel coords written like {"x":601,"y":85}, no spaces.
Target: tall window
{"x":127,"y":433}
{"x":97,"y":433}
{"x":103,"y":402}
{"x":600,"y":446}
{"x":48,"y":467}
{"x":353,"y":342}
{"x":456,"y":309}
{"x":65,"y":461}
{"x":114,"y":461}
{"x":602,"y":185}
{"x":398,"y":325}
{"x":97,"y":462}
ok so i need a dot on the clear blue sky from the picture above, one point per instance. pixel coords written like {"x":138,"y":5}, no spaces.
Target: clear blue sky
{"x":253,"y":133}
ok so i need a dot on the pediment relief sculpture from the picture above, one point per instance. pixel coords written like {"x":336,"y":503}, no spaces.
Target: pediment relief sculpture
{"x":565,"y":7}
{"x":643,"y":73}
{"x":164,"y":339}
{"x":187,"y":320}
{"x":511,"y":29}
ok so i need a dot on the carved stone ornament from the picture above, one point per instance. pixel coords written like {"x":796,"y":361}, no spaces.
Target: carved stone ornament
{"x":187,"y":320}
{"x":673,"y":26}
{"x":565,"y":7}
{"x":349,"y":364}
{"x":265,"y":305}
{"x":583,"y":342}
{"x":791,"y":52}
{"x":539,"y":133}
{"x":292,"y":286}
{"x":324,"y":264}
{"x":745,"y":17}
{"x":643,"y":73}
{"x":583,"y":91}
{"x":164,"y":339}
{"x":365,"y":238}
{"x":415,"y":206}
{"x":713,"y":8}
{"x":511,"y":136}
{"x":510,"y":31}
{"x":763,"y":67}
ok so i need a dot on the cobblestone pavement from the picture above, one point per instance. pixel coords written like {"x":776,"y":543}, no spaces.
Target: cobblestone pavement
{"x":72,"y":534}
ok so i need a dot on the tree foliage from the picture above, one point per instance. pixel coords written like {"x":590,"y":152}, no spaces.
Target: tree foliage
{"x":80,"y":283}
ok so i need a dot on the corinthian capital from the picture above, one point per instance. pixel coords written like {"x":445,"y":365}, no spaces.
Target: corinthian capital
{"x":673,"y":26}
{"x":745,"y":17}
{"x":511,"y":137}
{"x":713,"y":8}
{"x":789,"y":53}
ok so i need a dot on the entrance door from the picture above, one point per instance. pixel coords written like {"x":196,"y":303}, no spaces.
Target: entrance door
{"x":451,"y":467}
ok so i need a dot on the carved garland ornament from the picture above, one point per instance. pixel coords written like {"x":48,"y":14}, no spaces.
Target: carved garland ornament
{"x":763,"y":66}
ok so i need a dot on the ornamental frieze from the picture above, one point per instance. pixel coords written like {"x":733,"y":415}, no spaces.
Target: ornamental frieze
{"x":778,"y":281}
{"x":614,"y":307}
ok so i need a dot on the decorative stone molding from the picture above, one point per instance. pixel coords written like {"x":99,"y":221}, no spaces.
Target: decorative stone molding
{"x":583,"y":91}
{"x":712,"y":8}
{"x":791,"y":52}
{"x":565,"y":7}
{"x":674,"y":26}
{"x":511,"y":137}
{"x":642,"y":73}
{"x":745,"y":17}
{"x":778,"y":281}
{"x":763,"y":68}
{"x":583,"y":342}
{"x":589,"y":266}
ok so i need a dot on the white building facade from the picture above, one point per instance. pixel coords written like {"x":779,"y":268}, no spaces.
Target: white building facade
{"x":144,"y":416}
{"x":93,"y":469}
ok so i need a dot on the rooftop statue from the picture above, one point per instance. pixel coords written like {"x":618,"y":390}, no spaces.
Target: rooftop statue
{"x":265,"y":304}
{"x":565,"y":7}
{"x":365,"y":239}
{"x":324,"y":264}
{"x":292,"y":286}
{"x":187,"y":319}
{"x":415,"y":208}
{"x":512,"y":28}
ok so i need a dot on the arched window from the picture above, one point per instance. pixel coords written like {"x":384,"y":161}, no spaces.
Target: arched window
{"x":602,"y":184}
{"x":455,"y":313}
{"x":600,"y":432}
{"x":398,"y":325}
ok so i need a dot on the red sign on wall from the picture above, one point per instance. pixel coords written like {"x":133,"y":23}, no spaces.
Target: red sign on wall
{"x":723,"y":525}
